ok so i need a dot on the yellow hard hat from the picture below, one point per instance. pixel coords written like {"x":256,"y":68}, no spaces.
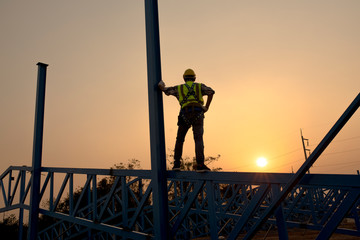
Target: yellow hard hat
{"x":189,"y":73}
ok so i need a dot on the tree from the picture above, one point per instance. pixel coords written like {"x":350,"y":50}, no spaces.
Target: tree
{"x":188,"y":165}
{"x":9,"y":228}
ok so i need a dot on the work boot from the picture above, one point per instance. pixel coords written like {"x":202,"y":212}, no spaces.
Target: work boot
{"x":176,"y":166}
{"x":200,"y":168}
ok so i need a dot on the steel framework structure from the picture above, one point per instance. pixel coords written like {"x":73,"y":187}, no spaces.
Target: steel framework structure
{"x":215,"y":204}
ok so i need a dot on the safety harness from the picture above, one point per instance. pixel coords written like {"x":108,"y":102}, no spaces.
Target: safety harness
{"x":191,"y":92}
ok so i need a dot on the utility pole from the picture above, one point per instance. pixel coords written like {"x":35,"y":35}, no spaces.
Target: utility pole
{"x":305,"y":149}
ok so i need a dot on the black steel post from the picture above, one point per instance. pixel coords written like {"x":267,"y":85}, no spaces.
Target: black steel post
{"x":157,"y":134}
{"x":37,"y":152}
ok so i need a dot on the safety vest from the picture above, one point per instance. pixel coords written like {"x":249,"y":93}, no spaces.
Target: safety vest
{"x":190,"y":93}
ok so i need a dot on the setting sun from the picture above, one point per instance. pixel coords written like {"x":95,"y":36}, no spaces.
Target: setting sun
{"x":261,"y":162}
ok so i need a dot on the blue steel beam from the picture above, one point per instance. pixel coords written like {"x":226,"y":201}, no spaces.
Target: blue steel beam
{"x":9,"y":187}
{"x":308,"y":163}
{"x":139,"y":209}
{"x":190,"y":200}
{"x":21,"y":210}
{"x":71,"y":193}
{"x":157,"y":134}
{"x":11,"y":199}
{"x":37,"y":151}
{"x":280,"y":220}
{"x":45,"y":184}
{"x":356,"y":216}
{"x":3,"y":192}
{"x":107,"y":201}
{"x":212,"y":210}
{"x":94,"y":198}
{"x":61,"y":191}
{"x":125,"y":201}
{"x":339,"y":214}
{"x":255,"y":202}
{"x":97,"y":226}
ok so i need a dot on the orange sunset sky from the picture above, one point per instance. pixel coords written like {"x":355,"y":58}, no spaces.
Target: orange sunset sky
{"x":276,"y":66}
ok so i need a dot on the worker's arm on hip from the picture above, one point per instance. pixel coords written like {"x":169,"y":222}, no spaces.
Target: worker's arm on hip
{"x":208,"y":102}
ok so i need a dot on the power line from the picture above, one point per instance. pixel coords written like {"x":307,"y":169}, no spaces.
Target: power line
{"x":341,"y":140}
{"x":285,"y":154}
{"x":340,"y":164}
{"x":347,"y":139}
{"x":339,"y":152}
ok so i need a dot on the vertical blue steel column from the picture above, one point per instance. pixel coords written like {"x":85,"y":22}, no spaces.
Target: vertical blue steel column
{"x":279,"y":215}
{"x":9,"y":186}
{"x":94,"y":198}
{"x":21,"y":210}
{"x":157,"y":135}
{"x":88,"y":203}
{"x":212,"y":210}
{"x":37,"y":151}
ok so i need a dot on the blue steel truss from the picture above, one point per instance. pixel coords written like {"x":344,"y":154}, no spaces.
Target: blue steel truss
{"x":214,"y":204}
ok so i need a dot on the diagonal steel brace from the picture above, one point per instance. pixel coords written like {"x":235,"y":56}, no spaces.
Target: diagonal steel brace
{"x":306,"y":166}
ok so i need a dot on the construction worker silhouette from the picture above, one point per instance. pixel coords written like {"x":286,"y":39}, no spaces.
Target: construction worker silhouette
{"x":190,"y":96}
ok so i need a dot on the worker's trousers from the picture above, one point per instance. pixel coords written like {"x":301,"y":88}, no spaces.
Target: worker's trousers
{"x":194,"y":119}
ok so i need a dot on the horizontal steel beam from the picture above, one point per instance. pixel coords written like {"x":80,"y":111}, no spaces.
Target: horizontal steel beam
{"x":98,"y":226}
{"x":341,"y":180}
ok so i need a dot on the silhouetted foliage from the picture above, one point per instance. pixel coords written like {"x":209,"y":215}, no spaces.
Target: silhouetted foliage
{"x":9,"y":228}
